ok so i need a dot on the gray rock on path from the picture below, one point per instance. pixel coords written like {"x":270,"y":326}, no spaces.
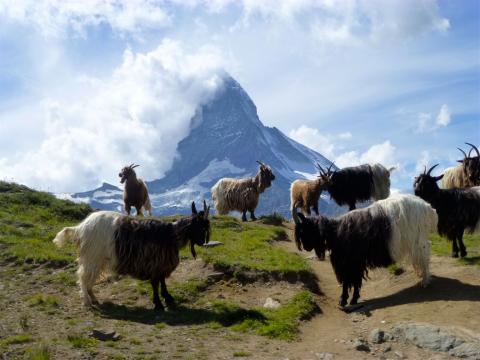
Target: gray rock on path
{"x":361,"y":345}
{"x":437,"y":339}
{"x":212,"y":244}
{"x":378,"y":336}
{"x":271,"y":304}
{"x":324,"y":356}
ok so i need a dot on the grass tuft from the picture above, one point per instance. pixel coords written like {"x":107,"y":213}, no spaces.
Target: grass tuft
{"x":39,"y":353}
{"x":272,"y":219}
{"x":79,"y":341}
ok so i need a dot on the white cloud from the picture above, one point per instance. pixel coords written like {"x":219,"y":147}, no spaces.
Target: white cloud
{"x":427,"y":124}
{"x":328,"y":21}
{"x":56,"y":18}
{"x":443,"y":117}
{"x":422,"y":162}
{"x":314,"y":139}
{"x":383,"y":153}
{"x":331,"y":147}
{"x":138,"y":115}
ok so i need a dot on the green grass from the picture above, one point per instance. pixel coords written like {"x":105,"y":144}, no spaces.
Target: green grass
{"x":241,"y":354}
{"x":248,"y":247}
{"x":16,"y":339}
{"x":39,"y":353}
{"x":43,"y":301}
{"x":79,"y":341}
{"x":282,"y":323}
{"x":29,"y":220}
{"x":441,"y":246}
{"x":272,"y":219}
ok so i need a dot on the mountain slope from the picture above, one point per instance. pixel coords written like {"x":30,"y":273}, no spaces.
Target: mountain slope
{"x":226,"y":139}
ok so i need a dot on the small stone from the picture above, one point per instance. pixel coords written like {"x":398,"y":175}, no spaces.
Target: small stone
{"x":387,"y":348}
{"x":213,"y":243}
{"x":271,"y":304}
{"x":216,"y":276}
{"x":324,"y":356}
{"x":360,"y":345}
{"x":399,"y":354}
{"x":377,"y":336}
{"x":105,"y":335}
{"x":88,"y":324}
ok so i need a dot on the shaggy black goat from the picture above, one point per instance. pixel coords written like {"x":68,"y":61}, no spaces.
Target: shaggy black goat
{"x":143,"y":249}
{"x":458,"y":209}
{"x":359,"y":183}
{"x":387,"y":231}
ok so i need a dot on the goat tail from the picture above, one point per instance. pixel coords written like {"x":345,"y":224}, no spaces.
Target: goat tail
{"x":67,"y":234}
{"x":218,"y":198}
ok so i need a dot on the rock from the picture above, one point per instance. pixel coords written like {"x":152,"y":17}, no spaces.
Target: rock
{"x":427,"y":336}
{"x":435,"y":338}
{"x":360,"y":345}
{"x":387,"y":348}
{"x":216,"y":276}
{"x":466,"y":350}
{"x":271,"y":304}
{"x":324,"y":356}
{"x":399,"y":354}
{"x":378,"y":336}
{"x":88,"y":324}
{"x":105,"y":335}
{"x":213,"y":243}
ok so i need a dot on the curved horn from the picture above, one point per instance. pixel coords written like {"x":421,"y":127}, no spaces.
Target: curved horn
{"x":320,"y":169}
{"x":474,"y":148}
{"x":261,"y":164}
{"x":463,"y":152}
{"x":130,"y":166}
{"x":331,"y":164}
{"x":424,"y":169}
{"x":430,"y":170}
{"x":134,"y":166}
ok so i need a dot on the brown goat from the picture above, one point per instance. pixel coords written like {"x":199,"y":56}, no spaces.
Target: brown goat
{"x":135,"y":193}
{"x":305,"y":194}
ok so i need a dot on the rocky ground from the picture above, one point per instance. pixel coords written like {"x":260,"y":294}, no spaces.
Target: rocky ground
{"x":41,"y":313}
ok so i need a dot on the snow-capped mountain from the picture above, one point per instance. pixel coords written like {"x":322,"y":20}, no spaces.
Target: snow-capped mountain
{"x":226,"y":139}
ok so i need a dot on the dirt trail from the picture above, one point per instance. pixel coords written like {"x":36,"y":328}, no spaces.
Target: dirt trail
{"x":452,"y":299}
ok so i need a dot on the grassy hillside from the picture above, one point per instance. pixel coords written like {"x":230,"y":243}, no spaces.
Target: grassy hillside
{"x":41,"y":312}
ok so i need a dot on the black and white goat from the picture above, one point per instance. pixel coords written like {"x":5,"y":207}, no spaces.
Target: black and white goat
{"x":458,"y":209}
{"x":387,"y":231}
{"x":359,"y":183}
{"x":144,"y":249}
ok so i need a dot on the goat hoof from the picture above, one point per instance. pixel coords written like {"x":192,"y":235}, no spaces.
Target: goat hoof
{"x":354,"y":302}
{"x":244,"y":219}
{"x":342,"y":302}
{"x":159,"y":308}
{"x":170,"y":302}
{"x":463,"y":253}
{"x":454,"y":255}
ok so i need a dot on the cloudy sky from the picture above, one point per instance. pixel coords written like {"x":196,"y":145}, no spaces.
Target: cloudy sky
{"x":85,"y":84}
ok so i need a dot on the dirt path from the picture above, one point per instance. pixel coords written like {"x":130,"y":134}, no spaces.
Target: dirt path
{"x":452,"y":300}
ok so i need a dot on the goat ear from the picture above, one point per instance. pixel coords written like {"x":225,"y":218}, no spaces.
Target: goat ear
{"x":438,"y":177}
{"x":460,"y":161}
{"x":194,"y":208}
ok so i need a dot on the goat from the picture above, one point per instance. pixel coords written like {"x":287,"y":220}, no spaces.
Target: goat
{"x":135,"y":192}
{"x":305,"y":194}
{"x":145,"y":249}
{"x":467,"y":174}
{"x":387,"y":231}
{"x":359,"y":183}
{"x":458,"y":209}
{"x":241,"y":194}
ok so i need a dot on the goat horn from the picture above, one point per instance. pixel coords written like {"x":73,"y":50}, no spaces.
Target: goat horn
{"x":134,"y":166}
{"x":430,"y":170}
{"x":331,"y":164}
{"x":320,"y":169}
{"x":424,"y":169}
{"x":261,"y":164}
{"x":474,"y":148}
{"x":464,"y":154}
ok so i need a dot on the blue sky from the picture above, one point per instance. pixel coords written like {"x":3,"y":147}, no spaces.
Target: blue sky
{"x":86,"y":84}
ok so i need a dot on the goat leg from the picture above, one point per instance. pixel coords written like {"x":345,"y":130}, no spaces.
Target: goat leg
{"x":315,"y":208}
{"x":356,"y":294}
{"x":165,"y":294}
{"x":244,"y":216}
{"x":344,"y":296}
{"x":463,"y":249}
{"x":454,"y":247}
{"x":252,"y":215}
{"x":156,"y":299}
